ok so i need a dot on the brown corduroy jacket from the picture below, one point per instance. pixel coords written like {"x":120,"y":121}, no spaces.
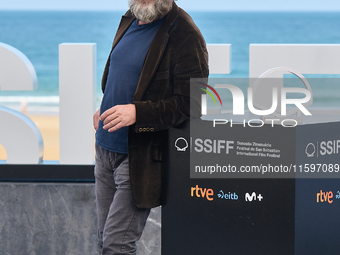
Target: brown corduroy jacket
{"x":162,"y":98}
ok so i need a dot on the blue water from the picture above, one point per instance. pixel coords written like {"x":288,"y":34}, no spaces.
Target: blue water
{"x":38,"y":33}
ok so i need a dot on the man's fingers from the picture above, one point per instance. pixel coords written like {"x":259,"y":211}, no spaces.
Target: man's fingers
{"x":118,"y":116}
{"x":109,"y":118}
{"x":112,"y":123}
{"x":96,"y":119}
{"x":107,"y":113}
{"x":116,"y":127}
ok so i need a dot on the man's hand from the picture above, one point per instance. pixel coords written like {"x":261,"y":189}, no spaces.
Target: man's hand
{"x":119,"y":116}
{"x":96,"y":119}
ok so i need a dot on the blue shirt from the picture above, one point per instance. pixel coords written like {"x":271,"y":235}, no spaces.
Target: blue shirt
{"x":126,"y":63}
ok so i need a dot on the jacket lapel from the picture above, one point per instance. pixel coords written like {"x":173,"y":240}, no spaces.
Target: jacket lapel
{"x":125,"y":23}
{"x":155,"y":53}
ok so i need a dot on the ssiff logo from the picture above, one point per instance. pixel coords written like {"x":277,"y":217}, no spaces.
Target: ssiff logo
{"x":310,"y":150}
{"x":323,"y":148}
{"x":181,"y":144}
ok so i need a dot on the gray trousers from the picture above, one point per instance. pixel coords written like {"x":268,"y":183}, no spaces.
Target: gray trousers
{"x":120,"y":222}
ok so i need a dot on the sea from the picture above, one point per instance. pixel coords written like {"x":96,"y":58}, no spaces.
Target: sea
{"x":37,"y":34}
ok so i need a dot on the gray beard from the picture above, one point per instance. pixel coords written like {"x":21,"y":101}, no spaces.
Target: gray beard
{"x":148,"y":12}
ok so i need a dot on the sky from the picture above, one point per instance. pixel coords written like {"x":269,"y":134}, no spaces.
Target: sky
{"x":190,"y":5}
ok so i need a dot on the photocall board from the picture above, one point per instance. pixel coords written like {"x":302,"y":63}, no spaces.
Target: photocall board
{"x":245,"y":190}
{"x":47,"y":173}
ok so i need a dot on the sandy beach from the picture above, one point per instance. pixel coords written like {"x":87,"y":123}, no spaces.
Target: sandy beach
{"x":49,"y":128}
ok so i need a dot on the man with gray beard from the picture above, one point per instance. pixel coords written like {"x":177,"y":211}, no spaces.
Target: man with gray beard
{"x":146,"y":85}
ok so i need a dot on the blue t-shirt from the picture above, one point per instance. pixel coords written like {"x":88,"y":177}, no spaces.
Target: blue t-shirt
{"x":126,"y":63}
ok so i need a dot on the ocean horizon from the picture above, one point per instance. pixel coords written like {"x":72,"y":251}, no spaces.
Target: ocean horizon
{"x":37,"y":34}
